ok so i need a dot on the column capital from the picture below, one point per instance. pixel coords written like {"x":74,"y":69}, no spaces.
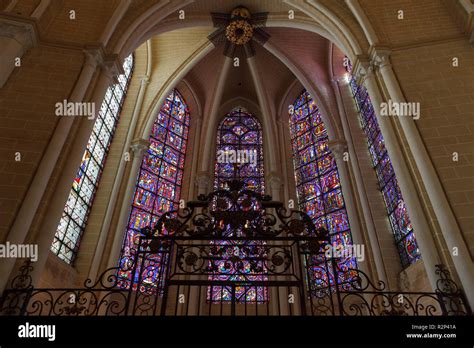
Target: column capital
{"x":338,"y":148}
{"x":94,"y":55}
{"x":22,"y":32}
{"x":380,"y":56}
{"x":139,"y":146}
{"x":203,"y":182}
{"x":144,"y":80}
{"x":199,"y":121}
{"x":111,"y":64}
{"x":341,"y":80}
{"x":274,"y":180}
{"x":112,"y":67}
{"x":362,"y":68}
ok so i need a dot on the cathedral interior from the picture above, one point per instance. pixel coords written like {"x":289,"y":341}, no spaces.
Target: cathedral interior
{"x":236,"y":158}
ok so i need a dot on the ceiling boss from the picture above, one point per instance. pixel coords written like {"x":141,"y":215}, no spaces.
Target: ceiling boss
{"x":239,"y":29}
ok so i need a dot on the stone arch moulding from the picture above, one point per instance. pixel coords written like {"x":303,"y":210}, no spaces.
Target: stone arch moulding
{"x":186,"y":84}
{"x":311,"y":87}
{"x":150,"y":28}
{"x":169,"y":85}
{"x":229,"y":104}
{"x":287,"y":97}
{"x":323,"y":22}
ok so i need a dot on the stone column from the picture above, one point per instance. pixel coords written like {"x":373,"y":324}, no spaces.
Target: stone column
{"x":40,"y":9}
{"x":196,"y":147}
{"x":339,"y":150}
{"x":269,"y":129}
{"x":64,"y":183}
{"x":11,"y":5}
{"x":138,"y":147}
{"x":361,"y":192}
{"x":16,"y":38}
{"x":209,"y":129}
{"x":104,"y":232}
{"x":443,"y":211}
{"x":203,"y":183}
{"x":29,"y":206}
{"x":417,"y":215}
{"x":274,"y":184}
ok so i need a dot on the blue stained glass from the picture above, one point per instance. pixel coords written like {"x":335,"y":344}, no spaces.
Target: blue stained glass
{"x":239,"y":131}
{"x":139,"y":219}
{"x":318,"y":185}
{"x":396,"y":210}
{"x":76,"y":211}
{"x":148,"y":181}
{"x":310,"y":189}
{"x":171,"y":156}
{"x":158,"y":187}
{"x":337,"y":221}
{"x":333,"y":200}
{"x":330,"y":181}
{"x":326,"y":164}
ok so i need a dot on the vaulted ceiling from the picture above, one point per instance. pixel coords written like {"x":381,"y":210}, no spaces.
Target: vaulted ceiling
{"x":308,"y":51}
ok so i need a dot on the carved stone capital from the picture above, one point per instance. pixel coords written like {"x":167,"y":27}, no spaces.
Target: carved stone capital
{"x":94,"y":55}
{"x":198,"y":120}
{"x":203,"y":182}
{"x":274,"y":180}
{"x":145,"y":80}
{"x":22,"y":32}
{"x":341,"y":80}
{"x":362,"y":68}
{"x":338,"y":148}
{"x":110,"y":64}
{"x":380,"y":57}
{"x":139,"y":146}
{"x":112,"y":67}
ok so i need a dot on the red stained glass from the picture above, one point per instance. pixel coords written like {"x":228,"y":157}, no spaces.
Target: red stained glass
{"x":396,"y":210}
{"x":333,"y":200}
{"x":318,"y":184}
{"x":239,"y":131}
{"x":337,"y":221}
{"x":147,"y":181}
{"x":158,"y":187}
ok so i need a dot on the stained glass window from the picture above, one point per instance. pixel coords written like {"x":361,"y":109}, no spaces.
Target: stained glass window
{"x":319,"y":189}
{"x":239,"y":157}
{"x":396,"y":208}
{"x":158,"y":188}
{"x":73,"y":221}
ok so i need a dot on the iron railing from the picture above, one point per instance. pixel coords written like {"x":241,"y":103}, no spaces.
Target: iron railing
{"x":232,"y":252}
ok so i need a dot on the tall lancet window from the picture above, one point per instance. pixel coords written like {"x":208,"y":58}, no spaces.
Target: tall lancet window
{"x":319,"y":188}
{"x":396,"y":208}
{"x":240,"y":151}
{"x":239,"y":157}
{"x":158,"y":188}
{"x":73,"y":221}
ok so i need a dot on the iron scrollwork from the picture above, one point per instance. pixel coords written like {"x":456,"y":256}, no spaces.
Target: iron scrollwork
{"x":225,"y":242}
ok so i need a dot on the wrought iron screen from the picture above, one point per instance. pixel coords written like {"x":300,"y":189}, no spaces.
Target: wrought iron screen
{"x":186,"y":242}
